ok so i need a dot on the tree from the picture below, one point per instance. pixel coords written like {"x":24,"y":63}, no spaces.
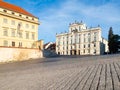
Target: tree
{"x":110,"y":40}
{"x":110,"y":33}
{"x":113,"y":41}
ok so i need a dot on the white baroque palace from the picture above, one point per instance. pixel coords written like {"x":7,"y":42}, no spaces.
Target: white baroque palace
{"x":81,"y":40}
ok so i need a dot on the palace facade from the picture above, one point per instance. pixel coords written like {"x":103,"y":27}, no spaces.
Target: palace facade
{"x":18,"y":28}
{"x":81,"y":40}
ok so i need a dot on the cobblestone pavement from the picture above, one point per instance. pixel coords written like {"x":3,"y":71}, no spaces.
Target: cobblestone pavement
{"x":63,"y":73}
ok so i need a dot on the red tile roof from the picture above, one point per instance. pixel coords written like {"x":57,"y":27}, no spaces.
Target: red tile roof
{"x":14,"y":8}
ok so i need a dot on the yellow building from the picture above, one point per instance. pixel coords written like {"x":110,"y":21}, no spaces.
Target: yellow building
{"x":18,"y":28}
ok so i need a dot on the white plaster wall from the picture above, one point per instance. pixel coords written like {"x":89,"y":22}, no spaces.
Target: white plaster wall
{"x":18,"y":54}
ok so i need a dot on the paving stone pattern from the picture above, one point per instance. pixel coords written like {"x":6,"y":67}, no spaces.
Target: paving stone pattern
{"x":80,"y":73}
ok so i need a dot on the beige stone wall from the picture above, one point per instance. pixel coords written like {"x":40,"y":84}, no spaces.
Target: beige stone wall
{"x":40,"y":44}
{"x":19,"y":29}
{"x":18,"y":54}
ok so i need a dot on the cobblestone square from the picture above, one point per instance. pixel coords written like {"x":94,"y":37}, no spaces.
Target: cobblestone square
{"x":63,"y":73}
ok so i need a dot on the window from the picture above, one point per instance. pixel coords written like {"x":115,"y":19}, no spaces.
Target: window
{"x":27,"y":26}
{"x":58,"y":42}
{"x":95,"y":38}
{"x":4,"y":10}
{"x":5,"y":33}
{"x":94,"y":45}
{"x":79,"y":38}
{"x":88,"y":50}
{"x":33,"y":27}
{"x":84,"y":40}
{"x":88,"y":45}
{"x":58,"y":48}
{"x":19,"y":26}
{"x":67,"y":42}
{"x":5,"y":43}
{"x":84,"y":35}
{"x":12,"y":22}
{"x":13,"y":44}
{"x":13,"y":13}
{"x":13,"y":33}
{"x":79,"y":52}
{"x":88,"y":34}
{"x":88,"y":39}
{"x":95,"y":33}
{"x":27,"y":35}
{"x":84,"y":51}
{"x":67,"y":52}
{"x":20,"y":44}
{"x":95,"y":51}
{"x":5,"y":20}
{"x":84,"y":46}
{"x":67,"y":47}
{"x":32,"y":18}
{"x":79,"y":28}
{"x":33,"y":36}
{"x":20,"y":34}
{"x":27,"y":17}
{"x":20,"y":15}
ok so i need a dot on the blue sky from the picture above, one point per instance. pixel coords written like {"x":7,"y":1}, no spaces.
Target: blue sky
{"x":55,"y":15}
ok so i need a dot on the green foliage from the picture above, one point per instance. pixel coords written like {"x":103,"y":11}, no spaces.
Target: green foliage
{"x":110,"y":33}
{"x":113,"y":41}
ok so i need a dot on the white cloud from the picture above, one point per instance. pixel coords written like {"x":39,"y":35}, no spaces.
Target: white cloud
{"x":56,"y":20}
{"x":108,"y":12}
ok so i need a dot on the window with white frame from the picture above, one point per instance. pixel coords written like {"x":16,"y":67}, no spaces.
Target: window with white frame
{"x":5,"y":42}
{"x":33,"y":36}
{"x":27,"y":35}
{"x":20,"y":35}
{"x":13,"y":33}
{"x":84,"y":38}
{"x":33,"y":27}
{"x":95,"y":38}
{"x":5,"y":32}
{"x":94,"y":44}
{"x":88,"y":45}
{"x":27,"y":26}
{"x":94,"y":51}
{"x":95,"y":33}
{"x":79,"y":38}
{"x":88,"y":37}
{"x":12,"y":22}
{"x":88,"y":50}
{"x":20,"y":44}
{"x":84,"y":46}
{"x":5,"y":20}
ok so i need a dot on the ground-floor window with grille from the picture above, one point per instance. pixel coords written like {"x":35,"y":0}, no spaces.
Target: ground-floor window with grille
{"x":5,"y":43}
{"x":13,"y":44}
